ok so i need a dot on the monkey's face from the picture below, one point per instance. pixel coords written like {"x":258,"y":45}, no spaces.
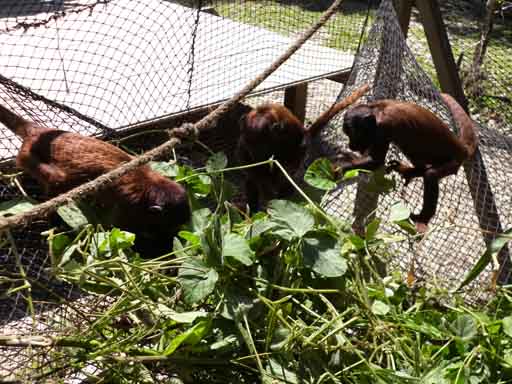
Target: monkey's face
{"x":360,"y":126}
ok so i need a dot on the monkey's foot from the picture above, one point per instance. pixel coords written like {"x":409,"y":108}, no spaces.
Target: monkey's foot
{"x":421,"y":226}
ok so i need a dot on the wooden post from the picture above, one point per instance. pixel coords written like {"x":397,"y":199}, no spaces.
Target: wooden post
{"x":295,"y":98}
{"x":403,"y":11}
{"x":483,"y":197}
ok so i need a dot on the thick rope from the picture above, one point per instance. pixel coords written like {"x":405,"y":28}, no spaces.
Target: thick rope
{"x":103,"y":181}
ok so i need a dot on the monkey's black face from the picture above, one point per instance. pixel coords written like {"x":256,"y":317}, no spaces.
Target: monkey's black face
{"x":360,"y":126}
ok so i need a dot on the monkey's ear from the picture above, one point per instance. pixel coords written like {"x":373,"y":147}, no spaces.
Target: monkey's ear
{"x":156,"y":208}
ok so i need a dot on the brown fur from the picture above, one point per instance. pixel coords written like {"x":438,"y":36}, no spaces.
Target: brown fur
{"x":434,"y":151}
{"x":144,"y":200}
{"x":271,"y":130}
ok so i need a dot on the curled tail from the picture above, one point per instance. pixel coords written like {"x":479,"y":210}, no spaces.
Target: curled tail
{"x":325,"y":117}
{"x":18,"y":125}
{"x":468,"y":128}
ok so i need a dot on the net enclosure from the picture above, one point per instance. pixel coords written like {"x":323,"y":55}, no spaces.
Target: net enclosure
{"x":104,"y":68}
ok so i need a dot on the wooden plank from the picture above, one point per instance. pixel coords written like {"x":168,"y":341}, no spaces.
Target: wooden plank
{"x":295,"y":98}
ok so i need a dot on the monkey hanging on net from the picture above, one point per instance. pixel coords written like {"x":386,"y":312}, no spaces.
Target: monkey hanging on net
{"x":432,"y":148}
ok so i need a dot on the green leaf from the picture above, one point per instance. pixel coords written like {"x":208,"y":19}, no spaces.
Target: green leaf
{"x":291,"y":220}
{"x":197,"y":280}
{"x":200,"y":220}
{"x":236,"y":247}
{"x":164,"y":168}
{"x":380,"y":308}
{"x":320,"y":175}
{"x":322,"y":254}
{"x":192,"y":238}
{"x":351,"y":174}
{"x":399,"y":212}
{"x":216,"y":162}
{"x":493,"y":249}
{"x":371,"y":229}
{"x":379,"y":182}
{"x":14,"y":207}
{"x":191,"y":336}
{"x":73,"y":215}
{"x":507,"y":325}
{"x":464,"y":327}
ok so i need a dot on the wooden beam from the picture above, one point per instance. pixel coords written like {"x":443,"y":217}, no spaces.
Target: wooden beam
{"x":404,"y":10}
{"x":295,"y":98}
{"x":441,"y":50}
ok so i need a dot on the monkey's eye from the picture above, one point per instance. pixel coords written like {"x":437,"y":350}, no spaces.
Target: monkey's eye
{"x":156,"y":208}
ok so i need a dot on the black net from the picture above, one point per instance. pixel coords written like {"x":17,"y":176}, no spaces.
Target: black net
{"x":103,"y":67}
{"x":473,"y":205}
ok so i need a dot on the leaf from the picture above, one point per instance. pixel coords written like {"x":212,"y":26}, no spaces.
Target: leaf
{"x":279,"y":374}
{"x":191,"y":336}
{"x":380,"y":308}
{"x":197,"y":280}
{"x":236,"y":247}
{"x":164,"y":168}
{"x":192,"y":238}
{"x":320,"y":175}
{"x":493,"y":249}
{"x":292,"y":220}
{"x":14,"y":207}
{"x":351,"y":174}
{"x":379,"y":183}
{"x":216,"y":162}
{"x":181,"y":317}
{"x":399,"y":212}
{"x":200,"y":220}
{"x":73,"y":215}
{"x":322,"y":254}
{"x":464,"y":327}
{"x":371,"y":229}
{"x":507,"y":325}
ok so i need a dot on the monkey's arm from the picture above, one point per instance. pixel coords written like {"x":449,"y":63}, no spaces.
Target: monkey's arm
{"x":371,"y":160}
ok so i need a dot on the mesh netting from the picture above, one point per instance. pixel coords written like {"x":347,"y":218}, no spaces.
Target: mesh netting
{"x":98,"y":67}
{"x":473,"y":205}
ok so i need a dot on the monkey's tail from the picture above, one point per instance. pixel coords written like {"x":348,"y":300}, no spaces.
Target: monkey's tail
{"x":14,"y":122}
{"x":468,"y":128}
{"x":325,"y":117}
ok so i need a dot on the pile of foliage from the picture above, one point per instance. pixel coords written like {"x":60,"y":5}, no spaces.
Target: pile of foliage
{"x":290,"y":295}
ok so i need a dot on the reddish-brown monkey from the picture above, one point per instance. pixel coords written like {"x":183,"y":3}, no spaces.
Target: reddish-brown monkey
{"x":145,"y":202}
{"x":434,"y":151}
{"x":271,"y":130}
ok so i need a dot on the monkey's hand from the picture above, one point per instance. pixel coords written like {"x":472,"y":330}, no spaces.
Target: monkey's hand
{"x":186,"y":131}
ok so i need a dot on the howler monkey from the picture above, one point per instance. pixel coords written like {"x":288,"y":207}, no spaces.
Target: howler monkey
{"x":271,"y":130}
{"x":434,"y":151}
{"x":142,"y":201}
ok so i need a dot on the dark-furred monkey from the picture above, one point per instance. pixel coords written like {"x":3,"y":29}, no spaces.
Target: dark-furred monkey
{"x":271,"y":130}
{"x":429,"y":144}
{"x":145,"y":202}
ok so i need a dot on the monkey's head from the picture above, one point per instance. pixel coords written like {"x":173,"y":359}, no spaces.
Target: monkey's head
{"x":167,"y":207}
{"x":360,"y":125}
{"x":272,"y":130}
